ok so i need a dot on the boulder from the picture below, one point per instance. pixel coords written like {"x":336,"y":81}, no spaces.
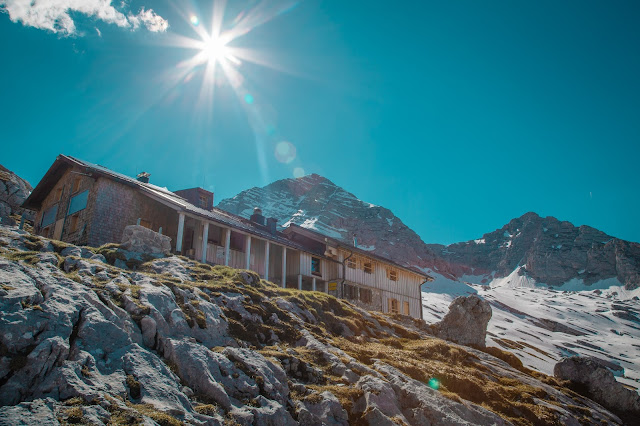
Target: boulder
{"x":139,"y":239}
{"x":600,"y":384}
{"x":466,"y":322}
{"x":13,"y":191}
{"x":325,"y":409}
{"x":40,"y":412}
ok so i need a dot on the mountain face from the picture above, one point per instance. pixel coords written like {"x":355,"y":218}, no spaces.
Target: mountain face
{"x":529,"y":248}
{"x":317,"y":203}
{"x":547,"y":251}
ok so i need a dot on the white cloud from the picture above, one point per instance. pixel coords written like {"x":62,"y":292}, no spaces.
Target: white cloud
{"x":150,"y":19}
{"x":55,"y":15}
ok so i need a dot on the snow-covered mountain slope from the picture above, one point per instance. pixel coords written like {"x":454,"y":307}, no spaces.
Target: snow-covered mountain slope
{"x":541,"y":325}
{"x":317,"y":203}
{"x":547,"y":251}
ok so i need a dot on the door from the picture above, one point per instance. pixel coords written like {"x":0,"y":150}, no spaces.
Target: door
{"x":57,"y":231}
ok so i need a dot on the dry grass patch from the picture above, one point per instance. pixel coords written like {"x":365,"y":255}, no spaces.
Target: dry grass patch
{"x":460,"y":374}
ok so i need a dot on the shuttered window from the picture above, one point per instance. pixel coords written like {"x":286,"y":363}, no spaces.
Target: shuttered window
{"x":350,"y":292}
{"x":366,"y":295}
{"x":393,"y":306}
{"x":351,"y":263}
{"x":392,"y":274}
{"x":405,"y":308}
{"x":49,"y":216}
{"x":367,"y":267}
{"x":78,"y":202}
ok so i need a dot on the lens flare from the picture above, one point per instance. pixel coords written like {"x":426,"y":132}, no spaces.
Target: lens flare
{"x":194,"y":20}
{"x":434,"y":383}
{"x":298,"y":172}
{"x":248,"y":98}
{"x":285,"y":152}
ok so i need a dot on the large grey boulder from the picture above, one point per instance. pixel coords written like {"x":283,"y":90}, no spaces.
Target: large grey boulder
{"x":139,"y":239}
{"x":600,"y":383}
{"x":40,"y":412}
{"x":13,"y":191}
{"x":325,"y":410}
{"x":466,"y":322}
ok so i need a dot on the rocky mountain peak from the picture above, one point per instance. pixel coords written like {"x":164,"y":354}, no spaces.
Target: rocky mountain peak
{"x":315,"y":202}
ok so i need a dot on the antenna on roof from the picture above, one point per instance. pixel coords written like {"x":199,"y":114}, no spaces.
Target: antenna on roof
{"x":355,"y":240}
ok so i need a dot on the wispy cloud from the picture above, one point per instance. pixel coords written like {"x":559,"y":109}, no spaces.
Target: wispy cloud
{"x":55,"y":15}
{"x":149,"y":19}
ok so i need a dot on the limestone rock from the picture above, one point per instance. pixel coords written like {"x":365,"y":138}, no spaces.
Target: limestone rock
{"x":13,"y":191}
{"x":326,"y":411}
{"x":40,"y":412}
{"x":139,"y":239}
{"x":600,"y":383}
{"x":466,"y":322}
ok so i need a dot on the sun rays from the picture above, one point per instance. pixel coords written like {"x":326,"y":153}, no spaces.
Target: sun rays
{"x":219,"y":53}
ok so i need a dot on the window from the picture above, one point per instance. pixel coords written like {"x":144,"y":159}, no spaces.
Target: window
{"x":78,"y":202}
{"x":393,"y":306}
{"x":73,"y":223}
{"x":76,"y":185}
{"x":393,"y":274}
{"x":49,"y":216}
{"x":145,"y":223}
{"x":58,"y":194}
{"x":350,"y":292}
{"x":366,"y":295}
{"x":203,"y":201}
{"x":237,"y":242}
{"x":351,"y":262}
{"x":315,"y":266}
{"x":405,"y":308}
{"x":367,"y":267}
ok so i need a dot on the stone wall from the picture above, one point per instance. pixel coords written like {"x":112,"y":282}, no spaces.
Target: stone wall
{"x":118,"y":205}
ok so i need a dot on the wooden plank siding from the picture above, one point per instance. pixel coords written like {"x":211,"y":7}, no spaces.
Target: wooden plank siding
{"x":405,"y":289}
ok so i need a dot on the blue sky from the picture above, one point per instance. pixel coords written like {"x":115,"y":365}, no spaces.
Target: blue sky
{"x":456,"y":115}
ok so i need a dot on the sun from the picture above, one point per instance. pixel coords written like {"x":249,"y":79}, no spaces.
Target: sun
{"x":215,"y":49}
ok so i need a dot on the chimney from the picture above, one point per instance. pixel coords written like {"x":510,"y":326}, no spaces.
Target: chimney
{"x":355,"y":240}
{"x":257,"y":217}
{"x":143,"y":177}
{"x":271,"y":224}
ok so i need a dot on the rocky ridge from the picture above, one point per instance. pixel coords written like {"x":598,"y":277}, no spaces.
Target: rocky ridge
{"x":315,"y":202}
{"x":547,"y":251}
{"x":542,"y":250}
{"x":170,"y":340}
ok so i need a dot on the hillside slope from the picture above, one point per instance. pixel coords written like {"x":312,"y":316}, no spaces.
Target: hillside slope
{"x":175,"y":340}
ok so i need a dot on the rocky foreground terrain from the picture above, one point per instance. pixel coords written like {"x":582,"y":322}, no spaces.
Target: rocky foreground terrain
{"x":170,"y":341}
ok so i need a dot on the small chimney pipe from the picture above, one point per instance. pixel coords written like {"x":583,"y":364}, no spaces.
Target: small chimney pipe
{"x":143,"y":177}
